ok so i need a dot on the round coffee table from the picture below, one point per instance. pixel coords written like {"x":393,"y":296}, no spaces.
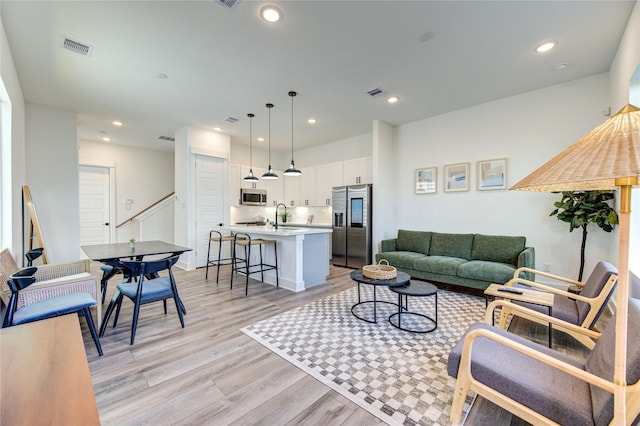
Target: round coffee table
{"x":415,"y":289}
{"x":401,"y":279}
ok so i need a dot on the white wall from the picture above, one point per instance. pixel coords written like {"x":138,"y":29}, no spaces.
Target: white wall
{"x":528,"y":130}
{"x":626,"y":61}
{"x":13,"y":148}
{"x":143,"y":175}
{"x":346,"y":149}
{"x":52,"y":176}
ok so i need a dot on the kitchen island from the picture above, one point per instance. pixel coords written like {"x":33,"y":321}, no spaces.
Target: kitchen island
{"x":303,"y":254}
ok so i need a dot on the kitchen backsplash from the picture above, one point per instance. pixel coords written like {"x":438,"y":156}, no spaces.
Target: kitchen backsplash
{"x":321,"y":215}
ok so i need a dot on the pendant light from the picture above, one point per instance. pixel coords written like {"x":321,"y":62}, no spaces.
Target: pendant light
{"x":269,"y":174}
{"x":250,"y":177}
{"x":292,"y":171}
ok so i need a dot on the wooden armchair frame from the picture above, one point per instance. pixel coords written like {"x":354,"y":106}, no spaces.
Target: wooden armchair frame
{"x":465,"y":381}
{"x":595,"y":303}
{"x":52,"y":280}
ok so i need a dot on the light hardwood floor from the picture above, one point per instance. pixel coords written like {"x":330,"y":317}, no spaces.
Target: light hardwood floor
{"x":212,"y":373}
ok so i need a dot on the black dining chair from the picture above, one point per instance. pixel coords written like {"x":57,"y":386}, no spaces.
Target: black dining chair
{"x":78,"y":303}
{"x":150,"y":288}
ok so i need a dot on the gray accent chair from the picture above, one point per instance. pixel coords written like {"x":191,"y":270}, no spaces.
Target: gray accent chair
{"x":540,"y":385}
{"x":582,"y":309}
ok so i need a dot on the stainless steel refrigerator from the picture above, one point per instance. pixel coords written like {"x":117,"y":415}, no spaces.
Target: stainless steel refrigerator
{"x":351,"y":238}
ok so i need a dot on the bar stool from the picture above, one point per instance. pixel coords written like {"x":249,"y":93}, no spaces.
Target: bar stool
{"x":217,"y":237}
{"x":245,"y":241}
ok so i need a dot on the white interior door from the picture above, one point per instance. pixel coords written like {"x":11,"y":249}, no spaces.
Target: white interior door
{"x":209,"y":202}
{"x":95,"y":205}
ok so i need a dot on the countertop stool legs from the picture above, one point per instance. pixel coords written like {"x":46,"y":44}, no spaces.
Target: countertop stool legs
{"x":217,"y":237}
{"x":244,"y":241}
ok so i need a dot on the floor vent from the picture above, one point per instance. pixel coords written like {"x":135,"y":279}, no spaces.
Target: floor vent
{"x":231,"y":119}
{"x":228,"y":3}
{"x":376,"y":92}
{"x":77,"y":47}
{"x":167,"y":138}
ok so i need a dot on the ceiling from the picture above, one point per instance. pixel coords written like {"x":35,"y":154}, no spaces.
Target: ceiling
{"x":436,"y":56}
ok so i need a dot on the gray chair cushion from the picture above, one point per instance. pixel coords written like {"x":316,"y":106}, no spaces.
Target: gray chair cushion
{"x":493,"y":272}
{"x":554,"y":394}
{"x":601,"y":362}
{"x":438,"y":264}
{"x":593,"y":287}
{"x":563,"y":307}
{"x":417,"y":241}
{"x":54,"y":307}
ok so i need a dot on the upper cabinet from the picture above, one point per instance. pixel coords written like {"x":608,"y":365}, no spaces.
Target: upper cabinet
{"x":275,"y":193}
{"x":356,"y":171}
{"x":291,"y":185}
{"x":234,"y":184}
{"x":307,"y":187}
{"x":327,"y":176}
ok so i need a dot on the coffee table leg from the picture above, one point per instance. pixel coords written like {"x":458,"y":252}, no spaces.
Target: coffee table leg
{"x":375,"y":304}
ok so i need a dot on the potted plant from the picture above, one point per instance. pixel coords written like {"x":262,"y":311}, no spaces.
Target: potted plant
{"x":580,"y":209}
{"x":283,"y":216}
{"x":132,"y":243}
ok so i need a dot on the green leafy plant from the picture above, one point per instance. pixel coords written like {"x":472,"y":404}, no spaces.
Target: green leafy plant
{"x":284,"y":215}
{"x":132,"y":240}
{"x":579,"y":209}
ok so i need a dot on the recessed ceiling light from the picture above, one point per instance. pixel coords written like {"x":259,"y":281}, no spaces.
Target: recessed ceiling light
{"x":260,"y":139}
{"x":270,"y":14}
{"x":117,"y":123}
{"x":312,"y":121}
{"x":217,"y":129}
{"x":106,"y":139}
{"x":546,"y":46}
{"x":392,"y":99}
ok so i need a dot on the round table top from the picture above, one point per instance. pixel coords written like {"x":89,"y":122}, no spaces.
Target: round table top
{"x":401,"y":279}
{"x":416,"y":288}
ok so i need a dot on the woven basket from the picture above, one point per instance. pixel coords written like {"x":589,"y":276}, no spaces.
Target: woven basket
{"x":380,"y":271}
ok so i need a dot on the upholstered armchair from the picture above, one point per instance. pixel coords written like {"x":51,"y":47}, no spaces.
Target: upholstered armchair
{"x":52,"y":280}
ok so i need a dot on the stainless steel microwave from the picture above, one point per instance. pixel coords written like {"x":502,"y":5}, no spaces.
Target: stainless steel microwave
{"x":253,"y":197}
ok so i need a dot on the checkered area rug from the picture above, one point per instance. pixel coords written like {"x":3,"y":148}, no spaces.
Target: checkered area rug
{"x":398,"y":376}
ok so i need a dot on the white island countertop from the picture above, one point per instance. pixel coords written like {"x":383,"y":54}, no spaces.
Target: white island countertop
{"x":303,"y":254}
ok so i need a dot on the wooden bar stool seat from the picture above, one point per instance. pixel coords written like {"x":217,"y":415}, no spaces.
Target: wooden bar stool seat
{"x":243,"y":265}
{"x":216,"y":237}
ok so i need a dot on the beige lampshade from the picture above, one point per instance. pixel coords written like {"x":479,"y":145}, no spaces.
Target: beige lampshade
{"x":608,"y":152}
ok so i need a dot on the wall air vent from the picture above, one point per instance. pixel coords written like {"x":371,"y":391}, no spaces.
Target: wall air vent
{"x":231,"y":119}
{"x":77,"y":47}
{"x":376,"y":92}
{"x":230,"y":4}
{"x":167,"y":138}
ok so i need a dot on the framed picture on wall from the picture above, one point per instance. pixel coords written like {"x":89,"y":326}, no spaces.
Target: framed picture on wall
{"x":426,"y":180}
{"x":456,"y":177}
{"x":492,"y":174}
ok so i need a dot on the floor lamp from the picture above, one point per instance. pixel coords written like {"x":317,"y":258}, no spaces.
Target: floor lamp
{"x":608,"y":157}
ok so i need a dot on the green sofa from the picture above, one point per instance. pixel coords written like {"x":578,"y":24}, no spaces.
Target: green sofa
{"x":469,"y":260}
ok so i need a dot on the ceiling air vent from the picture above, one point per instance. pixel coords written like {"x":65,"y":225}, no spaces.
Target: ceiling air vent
{"x":231,"y":119}
{"x":167,"y":138}
{"x":76,"y":46}
{"x":228,"y":3}
{"x":376,"y":92}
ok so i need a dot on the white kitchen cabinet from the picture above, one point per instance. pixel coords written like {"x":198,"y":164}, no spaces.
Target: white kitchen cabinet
{"x":327,"y":176}
{"x":257,"y":172}
{"x":357,"y":171}
{"x":307,"y":189}
{"x":275,"y":193}
{"x":234,"y":184}
{"x":291,"y":186}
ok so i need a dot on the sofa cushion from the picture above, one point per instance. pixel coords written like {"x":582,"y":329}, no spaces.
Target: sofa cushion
{"x":401,"y":259}
{"x":526,"y":380}
{"x":482,"y":270}
{"x":452,"y":245}
{"x":438,"y":264}
{"x":417,"y":241}
{"x":497,"y":248}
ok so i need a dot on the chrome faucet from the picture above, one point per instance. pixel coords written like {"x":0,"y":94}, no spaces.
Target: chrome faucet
{"x":285,"y":209}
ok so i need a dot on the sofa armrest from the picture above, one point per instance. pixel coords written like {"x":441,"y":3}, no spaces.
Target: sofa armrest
{"x":527,"y":259}
{"x":388,"y":245}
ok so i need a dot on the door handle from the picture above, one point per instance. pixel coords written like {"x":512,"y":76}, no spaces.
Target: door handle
{"x":106,"y":224}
